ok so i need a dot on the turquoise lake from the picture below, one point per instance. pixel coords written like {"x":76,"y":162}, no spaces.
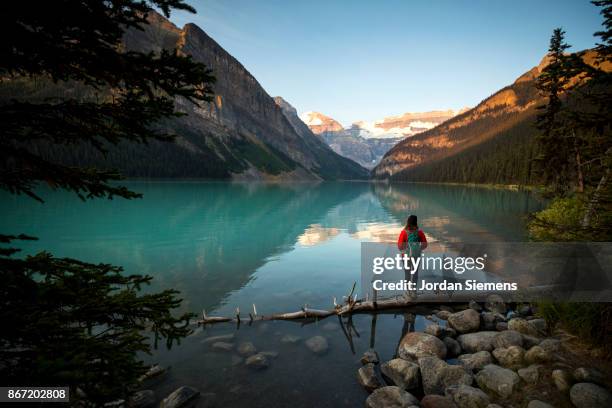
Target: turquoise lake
{"x":280,"y":246}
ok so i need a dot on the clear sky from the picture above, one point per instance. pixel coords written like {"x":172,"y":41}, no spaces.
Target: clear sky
{"x":363,"y":60}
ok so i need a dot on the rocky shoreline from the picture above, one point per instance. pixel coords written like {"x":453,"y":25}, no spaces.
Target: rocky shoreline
{"x":476,"y":355}
{"x":481,"y":357}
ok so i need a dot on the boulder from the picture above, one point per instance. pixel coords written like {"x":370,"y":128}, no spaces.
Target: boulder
{"x":180,"y":397}
{"x":538,"y":404}
{"x":475,"y":362}
{"x":501,"y":326}
{"x":223,"y":346}
{"x":246,"y":348}
{"x":592,"y":375}
{"x":404,"y":374}
{"x":479,"y":341}
{"x":142,"y":399}
{"x":489,"y":320}
{"x":437,"y":401}
{"x":539,"y":324}
{"x":588,"y":395}
{"x":465,"y":396}
{"x":522,"y":326}
{"x":497,"y":380}
{"x":449,"y":332}
{"x":257,"y":361}
{"x":453,"y":348}
{"x":436,"y":375}
{"x":465,"y":321}
{"x":317,"y":344}
{"x":550,"y":345}
{"x":511,"y":357}
{"x":537,"y":354}
{"x":508,"y":338}
{"x":525,"y":310}
{"x":531,"y":374}
{"x":475,"y":305}
{"x":496,"y":304}
{"x":370,"y":356}
{"x":391,"y":397}
{"x":443,"y":314}
{"x":530,"y":341}
{"x":434,"y":329}
{"x":368,"y":377}
{"x":562,"y":379}
{"x":415,"y":345}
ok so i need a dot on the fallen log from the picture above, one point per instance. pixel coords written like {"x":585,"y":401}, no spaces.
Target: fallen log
{"x":351,"y":306}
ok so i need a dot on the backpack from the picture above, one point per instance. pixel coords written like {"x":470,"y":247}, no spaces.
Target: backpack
{"x":414,"y":243}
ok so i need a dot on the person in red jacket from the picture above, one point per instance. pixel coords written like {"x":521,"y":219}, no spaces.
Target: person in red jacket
{"x":409,"y":235}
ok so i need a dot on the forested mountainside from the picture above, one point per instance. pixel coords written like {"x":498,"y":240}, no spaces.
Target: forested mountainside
{"x":242,"y":134}
{"x":491,"y":143}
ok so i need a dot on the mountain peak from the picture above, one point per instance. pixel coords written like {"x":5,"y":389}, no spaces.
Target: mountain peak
{"x":320,"y":123}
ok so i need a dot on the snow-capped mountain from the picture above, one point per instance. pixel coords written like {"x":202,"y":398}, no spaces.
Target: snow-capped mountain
{"x":367,"y":142}
{"x":404,"y":125}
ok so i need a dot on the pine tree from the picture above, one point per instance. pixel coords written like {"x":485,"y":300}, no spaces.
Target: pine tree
{"x":66,"y":322}
{"x":554,"y":159}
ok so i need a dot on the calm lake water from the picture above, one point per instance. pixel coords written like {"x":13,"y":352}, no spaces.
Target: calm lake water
{"x":279,"y":246}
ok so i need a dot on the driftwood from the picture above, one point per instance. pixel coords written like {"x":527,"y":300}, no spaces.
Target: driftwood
{"x":351,"y":305}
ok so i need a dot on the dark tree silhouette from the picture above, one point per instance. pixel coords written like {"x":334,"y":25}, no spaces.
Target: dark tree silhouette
{"x":66,"y":322}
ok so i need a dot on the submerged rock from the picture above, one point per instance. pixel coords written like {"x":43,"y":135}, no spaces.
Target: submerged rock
{"x":317,"y":344}
{"x":437,"y":375}
{"x":269,"y":354}
{"x":465,"y":321}
{"x":236,"y":360}
{"x":479,"y":341}
{"x":154,"y":372}
{"x":257,"y":361}
{"x":404,"y":374}
{"x":223,"y":346}
{"x":501,"y":326}
{"x":475,"y":362}
{"x":246,"y":349}
{"x":391,"y":397}
{"x":588,"y":395}
{"x":142,"y":399}
{"x":180,"y":397}
{"x":498,"y":381}
{"x":368,"y":377}
{"x":290,"y":338}
{"x":415,"y":345}
{"x":550,"y":345}
{"x":370,"y":356}
{"x":214,"y":339}
{"x":465,"y":396}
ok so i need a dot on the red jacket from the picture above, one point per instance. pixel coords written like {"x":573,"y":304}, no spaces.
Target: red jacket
{"x":402,"y":241}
